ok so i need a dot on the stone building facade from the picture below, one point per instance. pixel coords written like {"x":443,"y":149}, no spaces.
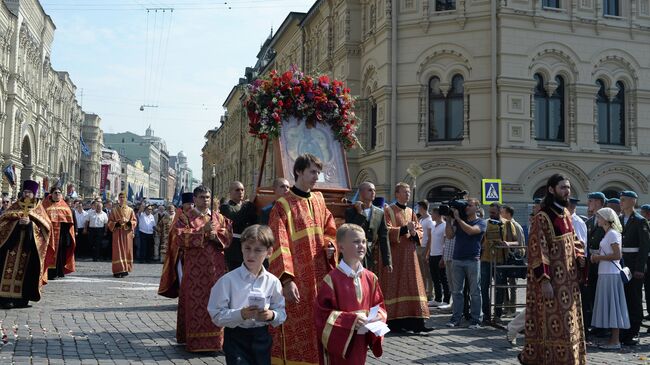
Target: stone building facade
{"x":473,"y":89}
{"x":113,"y":185}
{"x":91,"y":156}
{"x":40,"y":118}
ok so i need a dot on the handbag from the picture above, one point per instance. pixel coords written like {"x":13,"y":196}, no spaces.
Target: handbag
{"x":626,"y":274}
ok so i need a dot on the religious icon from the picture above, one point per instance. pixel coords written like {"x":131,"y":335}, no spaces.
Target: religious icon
{"x":296,"y":139}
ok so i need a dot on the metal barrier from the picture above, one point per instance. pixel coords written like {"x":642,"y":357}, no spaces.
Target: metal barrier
{"x":494,"y":286}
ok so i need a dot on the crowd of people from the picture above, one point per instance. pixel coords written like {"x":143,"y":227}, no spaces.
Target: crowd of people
{"x":288,"y":285}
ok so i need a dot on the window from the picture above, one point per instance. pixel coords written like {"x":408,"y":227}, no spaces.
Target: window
{"x":549,"y":111}
{"x":551,"y":4}
{"x":446,"y":113}
{"x":611,"y":7}
{"x":442,"y":5}
{"x":611,"y":115}
{"x":442,"y":193}
{"x":373,"y":126}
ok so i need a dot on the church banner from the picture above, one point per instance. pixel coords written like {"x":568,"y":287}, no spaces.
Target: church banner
{"x":104,"y":177}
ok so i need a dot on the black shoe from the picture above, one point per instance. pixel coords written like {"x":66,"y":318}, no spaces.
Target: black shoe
{"x":21,"y":304}
{"x":630,"y":342}
{"x":647,"y":317}
{"x":423,"y":329}
{"x":6,"y":305}
{"x":125,"y":274}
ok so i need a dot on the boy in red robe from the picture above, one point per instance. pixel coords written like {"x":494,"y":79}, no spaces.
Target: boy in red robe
{"x":344,"y":301}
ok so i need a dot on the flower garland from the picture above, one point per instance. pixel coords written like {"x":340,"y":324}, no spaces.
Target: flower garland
{"x":274,"y":98}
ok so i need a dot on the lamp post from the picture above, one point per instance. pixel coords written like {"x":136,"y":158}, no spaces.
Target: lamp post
{"x":414,"y":170}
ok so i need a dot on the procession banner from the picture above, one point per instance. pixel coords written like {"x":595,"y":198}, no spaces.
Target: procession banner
{"x":104,"y":177}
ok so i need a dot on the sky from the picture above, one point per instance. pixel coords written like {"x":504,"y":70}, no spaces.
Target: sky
{"x":180,"y":64}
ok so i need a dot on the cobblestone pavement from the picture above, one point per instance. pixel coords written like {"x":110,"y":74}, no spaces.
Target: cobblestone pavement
{"x":91,"y":318}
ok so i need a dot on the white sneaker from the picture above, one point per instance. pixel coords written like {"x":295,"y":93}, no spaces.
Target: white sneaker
{"x":433,"y":303}
{"x":451,"y":324}
{"x":476,"y":326}
{"x":512,"y":339}
{"x":444,"y":306}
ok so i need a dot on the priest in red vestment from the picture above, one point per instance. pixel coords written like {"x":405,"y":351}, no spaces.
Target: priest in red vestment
{"x":121,"y":222}
{"x":344,"y":302}
{"x":404,"y":293}
{"x":170,"y":279}
{"x":201,"y":239}
{"x":60,"y":259}
{"x":25,"y":230}
{"x":304,"y":252}
{"x":554,"y":327}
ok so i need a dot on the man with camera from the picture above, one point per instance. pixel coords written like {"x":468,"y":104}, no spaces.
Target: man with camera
{"x":467,"y":252}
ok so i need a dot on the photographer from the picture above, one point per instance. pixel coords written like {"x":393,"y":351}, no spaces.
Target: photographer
{"x":466,"y":264}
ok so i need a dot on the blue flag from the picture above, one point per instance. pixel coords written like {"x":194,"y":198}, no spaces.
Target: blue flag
{"x":141,"y":192}
{"x":129,"y":196}
{"x":10,"y":174}
{"x":84,"y":148}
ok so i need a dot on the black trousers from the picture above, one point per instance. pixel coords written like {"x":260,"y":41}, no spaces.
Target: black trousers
{"x":439,"y":278}
{"x":146,"y":240}
{"x":95,"y":237}
{"x":247,"y":346}
{"x":589,"y":295}
{"x":634,"y":298}
{"x":646,"y":286}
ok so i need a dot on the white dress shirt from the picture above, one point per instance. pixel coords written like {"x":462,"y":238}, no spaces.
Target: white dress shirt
{"x":97,"y":220}
{"x":580,"y":228}
{"x":81,"y":218}
{"x":438,"y":239}
{"x":427,"y":230}
{"x":230,"y":294}
{"x":146,"y":223}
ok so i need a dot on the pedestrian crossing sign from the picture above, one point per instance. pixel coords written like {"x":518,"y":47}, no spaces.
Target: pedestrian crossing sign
{"x":491,"y":191}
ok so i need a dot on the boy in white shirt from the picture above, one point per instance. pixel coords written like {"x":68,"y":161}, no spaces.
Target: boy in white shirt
{"x":246,"y":300}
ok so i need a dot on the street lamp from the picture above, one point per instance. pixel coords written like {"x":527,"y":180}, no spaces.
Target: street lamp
{"x":147,"y":106}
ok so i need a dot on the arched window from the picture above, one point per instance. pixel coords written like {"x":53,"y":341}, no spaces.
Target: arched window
{"x":611,"y":7}
{"x":549,"y":111}
{"x":442,"y":193}
{"x":372,"y":125}
{"x":611,"y":115}
{"x":442,"y":5}
{"x":540,"y":193}
{"x":551,"y":4}
{"x":446,"y":113}
{"x":611,"y":193}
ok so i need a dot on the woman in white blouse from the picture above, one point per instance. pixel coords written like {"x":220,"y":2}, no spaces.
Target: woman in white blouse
{"x":610,"y":307}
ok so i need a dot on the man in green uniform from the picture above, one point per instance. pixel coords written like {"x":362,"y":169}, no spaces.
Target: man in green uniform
{"x":636,"y":244}
{"x":595,"y":234}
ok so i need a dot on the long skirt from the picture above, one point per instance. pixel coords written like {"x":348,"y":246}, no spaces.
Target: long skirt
{"x":610,"y":307}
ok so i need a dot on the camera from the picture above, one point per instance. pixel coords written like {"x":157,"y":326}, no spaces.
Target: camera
{"x":457,"y":203}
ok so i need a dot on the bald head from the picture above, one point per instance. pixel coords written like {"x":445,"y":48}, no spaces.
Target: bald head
{"x":237,"y":191}
{"x":367,"y":192}
{"x":280,"y":187}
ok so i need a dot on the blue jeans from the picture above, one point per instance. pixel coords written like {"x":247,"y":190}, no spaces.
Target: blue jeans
{"x":486,"y":276}
{"x":470,"y":270}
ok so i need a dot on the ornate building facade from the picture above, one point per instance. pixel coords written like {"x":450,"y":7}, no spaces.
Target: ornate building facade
{"x":40,"y":119}
{"x":91,"y":156}
{"x":473,"y":89}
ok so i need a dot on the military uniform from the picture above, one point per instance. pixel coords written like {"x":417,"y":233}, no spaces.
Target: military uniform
{"x":595,"y":234}
{"x":242,"y":216}
{"x":635,"y":247}
{"x":377,"y":235}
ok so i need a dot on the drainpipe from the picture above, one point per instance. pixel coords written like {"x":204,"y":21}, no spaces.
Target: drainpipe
{"x":493,"y":91}
{"x":393,"y":94}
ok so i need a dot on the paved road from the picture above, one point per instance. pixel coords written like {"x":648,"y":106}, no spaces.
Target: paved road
{"x":92,"y":318}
